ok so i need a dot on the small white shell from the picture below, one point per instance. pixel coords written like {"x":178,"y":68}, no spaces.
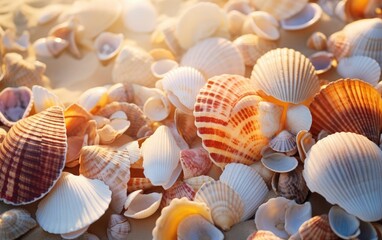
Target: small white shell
{"x":139,"y":205}
{"x":161,"y":67}
{"x":235,"y":20}
{"x":50,"y":46}
{"x":361,"y":67}
{"x":298,"y":118}
{"x":322,"y":61}
{"x":262,"y":24}
{"x":139,"y":16}
{"x":279,"y":162}
{"x":269,"y":116}
{"x":107,"y":45}
{"x":284,"y":142}
{"x":343,"y":224}
{"x":308,"y":16}
{"x":157,"y":107}
{"x":317,"y":41}
{"x":197,"y":227}
{"x":44,"y":99}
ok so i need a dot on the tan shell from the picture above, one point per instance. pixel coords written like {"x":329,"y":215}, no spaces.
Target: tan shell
{"x":32,"y":148}
{"x":138,"y":183}
{"x":178,"y":190}
{"x":280,"y":9}
{"x":317,"y":41}
{"x":263,"y":235}
{"x":44,"y":99}
{"x":14,"y":223}
{"x":197,"y":182}
{"x":317,"y":228}
{"x":118,"y":227}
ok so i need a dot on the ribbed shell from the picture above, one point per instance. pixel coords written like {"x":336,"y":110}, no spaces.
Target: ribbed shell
{"x":178,"y":190}
{"x":286,"y":75}
{"x":14,"y":223}
{"x":283,"y":142}
{"x":138,"y":183}
{"x":44,"y":99}
{"x":195,"y":162}
{"x":348,"y":105}
{"x":263,"y":235}
{"x":118,"y":227}
{"x":317,"y":228}
{"x":280,"y":9}
{"x":226,"y":117}
{"x":361,"y":67}
{"x":73,"y":204}
{"x":110,"y":166}
{"x":33,"y":156}
{"x":197,"y":182}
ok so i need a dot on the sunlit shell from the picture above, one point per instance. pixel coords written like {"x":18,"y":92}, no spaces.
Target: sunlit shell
{"x":93,"y":99}
{"x":139,"y":16}
{"x":178,"y":190}
{"x":138,"y":183}
{"x":280,"y":9}
{"x":50,"y":13}
{"x":161,"y":67}
{"x":139,"y":205}
{"x":15,"y":104}
{"x":276,"y":73}
{"x":317,"y":41}
{"x":235,"y":20}
{"x":262,"y":24}
{"x":166,"y":225}
{"x":305,"y":18}
{"x":348,"y":105}
{"x":14,"y":223}
{"x":361,"y":67}
{"x":279,"y":162}
{"x":50,"y":46}
{"x":195,"y":162}
{"x":33,"y":147}
{"x":338,"y":44}
{"x":214,"y":56}
{"x":161,"y":53}
{"x":196,"y":226}
{"x":157,"y":107}
{"x":283,"y":142}
{"x":120,"y":93}
{"x":348,"y":166}
{"x":343,"y":224}
{"x":316,"y":228}
{"x":298,"y":118}
{"x":44,"y":99}
{"x":13,"y":43}
{"x":107,"y":45}
{"x":118,"y":227}
{"x":226,"y":116}
{"x":185,"y":125}
{"x":321,"y":61}
{"x":269,"y":118}
{"x":197,"y":182}
{"x":242,"y":6}
{"x":263,"y":235}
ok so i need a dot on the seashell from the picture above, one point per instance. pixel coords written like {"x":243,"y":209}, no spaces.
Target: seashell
{"x":283,"y":142}
{"x":343,"y":224}
{"x":191,"y":27}
{"x":110,"y":166}
{"x":139,"y":16}
{"x":343,"y":106}
{"x":93,"y":99}
{"x":227,"y":207}
{"x":139,"y":205}
{"x":18,"y":152}
{"x":280,"y":9}
{"x":340,"y":11}
{"x":241,"y":6}
{"x":263,"y":235}
{"x":44,"y":99}
{"x":118,"y":227}
{"x":185,"y":126}
{"x":165,"y":34}
{"x":20,"y":72}
{"x":83,"y":202}
{"x":138,"y":183}
{"x":178,"y":190}
{"x":368,"y":231}
{"x":157,"y":107}
{"x":195,"y":162}
{"x":305,"y":141}
{"x":161,"y":67}
{"x":322,"y":61}
{"x":16,"y":104}
{"x":361,"y":67}
{"x":235,"y":21}
{"x":120,"y":93}
{"x":113,"y":129}
{"x":3,"y":134}
{"x":252,"y":47}
{"x":271,"y":74}
{"x":344,"y":159}
{"x":269,"y":118}
{"x":316,"y":228}
{"x":280,"y":163}
{"x":264,"y":172}
{"x":317,"y":41}
{"x":197,"y":227}
{"x":132,"y":65}
{"x":162,"y":53}
{"x":50,"y":12}
{"x":197,"y":182}
{"x":298,"y":118}
{"x":358,"y":10}
{"x":166,"y":225}
{"x":305,"y":18}
{"x":262,"y":24}
{"x":214,"y":56}
{"x":246,"y":182}
{"x":15,"y":223}
{"x":108,"y":45}
{"x":13,"y":43}
{"x":296,"y":215}
{"x":235,"y":119}
{"x":338,"y":44}
{"x":50,"y":46}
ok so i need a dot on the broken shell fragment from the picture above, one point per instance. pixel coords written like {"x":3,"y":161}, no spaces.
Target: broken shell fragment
{"x":139,"y":205}
{"x":14,"y":223}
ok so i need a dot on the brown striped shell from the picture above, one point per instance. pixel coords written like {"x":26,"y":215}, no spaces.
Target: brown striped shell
{"x":317,"y":228}
{"x":263,"y":235}
{"x":33,"y":156}
{"x":226,"y":117}
{"x":138,"y":183}
{"x":14,"y":223}
{"x":348,"y":105}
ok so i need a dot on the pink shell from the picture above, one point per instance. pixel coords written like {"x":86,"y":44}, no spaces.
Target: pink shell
{"x":195,"y":162}
{"x":178,"y":190}
{"x":15,"y":104}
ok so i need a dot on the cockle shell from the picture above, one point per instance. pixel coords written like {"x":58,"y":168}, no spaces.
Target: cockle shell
{"x":50,"y":46}
{"x":197,"y":227}
{"x":283,"y":142}
{"x":246,"y":182}
{"x":118,"y":227}
{"x":178,"y":190}
{"x":82,"y":201}
{"x":138,"y":183}
{"x":348,"y":105}
{"x":192,"y":25}
{"x":280,"y":9}
{"x":110,"y":166}
{"x":273,"y":75}
{"x":298,"y":118}
{"x":13,"y":43}
{"x":33,"y":146}
{"x":197,"y":182}
{"x":317,"y":41}
{"x":230,"y":129}
{"x":214,"y":56}
{"x":139,"y":205}
{"x":305,"y":18}
{"x":262,"y":24}
{"x":315,"y":228}
{"x":361,"y":67}
{"x":139,"y":16}
{"x":107,"y":45}
{"x":343,"y":224}
{"x":44,"y":99}
{"x":195,"y":162}
{"x":322,"y":61}
{"x":349,"y":165}
{"x":166,"y":225}
{"x":263,"y":235}
{"x":14,"y":223}
{"x":15,"y":104}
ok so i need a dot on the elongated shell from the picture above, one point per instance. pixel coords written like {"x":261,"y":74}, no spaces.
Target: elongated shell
{"x":286,"y":75}
{"x":345,"y":169}
{"x":348,"y":105}
{"x":361,"y":67}
{"x":280,"y":9}
{"x":226,"y":117}
{"x":14,"y":223}
{"x":33,"y":156}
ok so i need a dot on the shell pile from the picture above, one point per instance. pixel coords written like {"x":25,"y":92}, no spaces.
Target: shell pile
{"x":172,"y":119}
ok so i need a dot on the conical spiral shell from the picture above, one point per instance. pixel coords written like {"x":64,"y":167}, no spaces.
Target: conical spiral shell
{"x":33,"y":156}
{"x":14,"y":223}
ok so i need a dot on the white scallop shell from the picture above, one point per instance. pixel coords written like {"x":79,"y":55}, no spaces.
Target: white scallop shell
{"x":308,"y":16}
{"x":262,"y":24}
{"x":278,"y":162}
{"x":361,"y":67}
{"x":50,"y":46}
{"x":139,"y":205}
{"x":161,"y":67}
{"x":298,"y":118}
{"x":107,"y":45}
{"x":343,"y":224}
{"x":197,"y":227}
{"x":118,"y":227}
{"x":280,"y":9}
{"x":139,"y":16}
{"x":44,"y":99}
{"x":284,"y":142}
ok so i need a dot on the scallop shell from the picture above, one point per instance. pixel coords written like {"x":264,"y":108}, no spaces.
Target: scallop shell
{"x":280,"y":9}
{"x":82,"y":201}
{"x":230,"y":129}
{"x":16,"y":104}
{"x":118,"y":227}
{"x":278,"y":162}
{"x":322,"y":61}
{"x":23,"y":146}
{"x":178,"y":190}
{"x":139,"y":16}
{"x":197,"y":227}
{"x":192,"y":28}
{"x":263,"y":235}
{"x":139,"y":205}
{"x":276,"y":73}
{"x":15,"y":223}
{"x":167,"y":224}
{"x":349,"y":165}
{"x":298,"y":118}
{"x":338,"y":44}
{"x":197,"y":182}
{"x":262,"y":24}
{"x":163,"y":66}
{"x":227,"y":207}
{"x":316,"y":228}
{"x":13,"y":43}
{"x":110,"y":166}
{"x":50,"y":46}
{"x":305,"y":18}
{"x":317,"y":41}
{"x":343,"y":224}
{"x":347,"y":105}
{"x":195,"y":162}
{"x":361,"y":67}
{"x":108,"y":45}
{"x":214,"y":56}
{"x":246,"y":182}
{"x":138,"y":183}
{"x":283,"y":142}
{"x":44,"y":99}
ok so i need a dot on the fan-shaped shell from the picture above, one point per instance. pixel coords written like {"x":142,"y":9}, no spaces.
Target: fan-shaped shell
{"x":139,"y":205}
{"x":197,"y":182}
{"x":44,"y":99}
{"x":345,"y":169}
{"x":348,"y":105}
{"x":178,"y":190}
{"x":118,"y":227}
{"x":317,"y":228}
{"x":14,"y":223}
{"x":361,"y":67}
{"x":15,"y":104}
{"x":283,"y":142}
{"x":263,"y":235}
{"x":226,"y":117}
{"x":286,"y":75}
{"x":280,"y":9}
{"x":195,"y":162}
{"x":73,"y":204}
{"x":33,"y":156}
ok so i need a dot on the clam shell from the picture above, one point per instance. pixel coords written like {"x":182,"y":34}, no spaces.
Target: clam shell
{"x":229,"y":128}
{"x":298,"y":118}
{"x":139,"y":16}
{"x":178,"y":190}
{"x":15,"y":223}
{"x":263,"y":235}
{"x":120,"y":93}
{"x":276,"y":73}
{"x":347,"y":105}
{"x":185,"y":125}
{"x":278,"y":162}
{"x":82,"y":201}
{"x":139,"y":205}
{"x":33,"y":147}
{"x":161,"y":67}
{"x":50,"y":46}
{"x":317,"y":41}
{"x":157,"y":107}
{"x":343,"y":224}
{"x":235,"y":20}
{"x":13,"y":43}
{"x":361,"y":67}
{"x":16,"y":104}
{"x":197,"y":227}
{"x":110,"y":166}
{"x":348,"y":166}
{"x":316,"y":228}
{"x":107,"y":45}
{"x":138,"y":183}
{"x":280,"y":9}
{"x":214,"y":56}
{"x":283,"y":142}
{"x":118,"y":227}
{"x":322,"y":61}
{"x":296,"y":215}
{"x":305,"y":18}
{"x":44,"y":99}
{"x":262,"y":24}
{"x":270,"y":118}
{"x":195,"y":162}
{"x":246,"y":182}
{"x":197,"y":182}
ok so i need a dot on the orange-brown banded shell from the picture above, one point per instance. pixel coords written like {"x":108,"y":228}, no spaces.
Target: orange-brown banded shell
{"x":226,"y":117}
{"x":317,"y":228}
{"x":33,"y":156}
{"x":263,"y":235}
{"x":348,"y":105}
